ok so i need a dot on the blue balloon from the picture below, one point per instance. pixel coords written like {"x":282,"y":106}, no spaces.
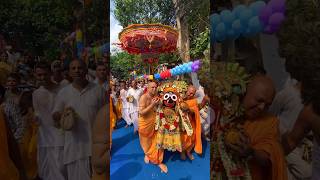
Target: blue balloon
{"x":215,"y":20}
{"x":172,"y":72}
{"x":189,"y":69}
{"x":219,"y":37}
{"x":238,"y":10}
{"x":245,"y":16}
{"x":257,"y":6}
{"x":232,"y":34}
{"x":255,"y":25}
{"x":227,"y":16}
{"x":221,"y":28}
{"x":247,"y":33}
{"x":237,"y":26}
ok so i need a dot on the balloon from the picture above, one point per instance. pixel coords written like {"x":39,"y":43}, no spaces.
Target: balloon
{"x":257,"y":6}
{"x":247,"y":33}
{"x":264,"y":15}
{"x":237,"y":26}
{"x":162,"y":75}
{"x":220,"y":36}
{"x":268,"y":30}
{"x":215,"y":20}
{"x":196,"y":68}
{"x":238,"y":10}
{"x":276,"y":19}
{"x":255,"y":25}
{"x":172,"y":72}
{"x":227,"y":16}
{"x":278,"y":5}
{"x":185,"y":69}
{"x":221,"y":28}
{"x":245,"y":15}
{"x":232,"y":34}
{"x":168,"y":73}
{"x":150,"y":77}
{"x":189,"y":69}
{"x":157,"y":76}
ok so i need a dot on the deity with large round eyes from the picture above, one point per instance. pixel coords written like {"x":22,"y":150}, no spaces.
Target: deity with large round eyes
{"x":171,"y":119}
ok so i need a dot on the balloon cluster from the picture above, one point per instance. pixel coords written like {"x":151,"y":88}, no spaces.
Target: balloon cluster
{"x":178,"y":70}
{"x":248,"y":20}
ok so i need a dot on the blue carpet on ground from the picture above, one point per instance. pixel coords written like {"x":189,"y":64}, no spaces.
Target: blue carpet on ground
{"x":127,"y":160}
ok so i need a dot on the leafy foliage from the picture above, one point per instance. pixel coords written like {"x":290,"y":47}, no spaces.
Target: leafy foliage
{"x":144,"y":11}
{"x":122,"y":63}
{"x":199,"y":44}
{"x":41,"y":25}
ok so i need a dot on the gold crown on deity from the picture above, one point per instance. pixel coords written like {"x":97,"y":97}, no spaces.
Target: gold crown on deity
{"x":170,"y":89}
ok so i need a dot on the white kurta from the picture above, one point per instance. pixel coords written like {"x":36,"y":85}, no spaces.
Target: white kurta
{"x":125,"y":106}
{"x":78,"y":141}
{"x":204,"y":112}
{"x":133,"y":108}
{"x":286,"y":106}
{"x":50,"y":139}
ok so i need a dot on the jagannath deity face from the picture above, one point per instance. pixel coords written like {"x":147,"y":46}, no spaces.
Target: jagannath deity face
{"x":170,"y":99}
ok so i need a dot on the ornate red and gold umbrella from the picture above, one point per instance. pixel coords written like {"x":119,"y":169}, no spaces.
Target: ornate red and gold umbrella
{"x":149,"y":40}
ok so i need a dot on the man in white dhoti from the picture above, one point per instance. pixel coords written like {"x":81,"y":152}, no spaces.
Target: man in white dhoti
{"x":125,"y":104}
{"x":205,"y":113}
{"x":85,"y":99}
{"x":50,"y":139}
{"x":287,"y":105}
{"x":133,"y":97}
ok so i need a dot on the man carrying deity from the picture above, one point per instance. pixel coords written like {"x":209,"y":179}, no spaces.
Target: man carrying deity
{"x":147,"y":111}
{"x":194,"y":141}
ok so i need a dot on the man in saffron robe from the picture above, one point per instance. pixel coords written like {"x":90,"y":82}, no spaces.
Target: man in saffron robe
{"x":147,"y":111}
{"x":193,"y":142}
{"x":100,"y":148}
{"x":259,"y":140}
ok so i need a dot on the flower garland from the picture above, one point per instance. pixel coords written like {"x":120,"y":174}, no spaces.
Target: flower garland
{"x":229,"y":82}
{"x":169,"y":126}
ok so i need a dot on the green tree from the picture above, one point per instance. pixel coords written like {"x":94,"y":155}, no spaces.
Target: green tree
{"x":144,"y":11}
{"x":41,"y":25}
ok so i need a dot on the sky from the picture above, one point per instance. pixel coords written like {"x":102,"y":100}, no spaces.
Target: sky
{"x":115,"y":28}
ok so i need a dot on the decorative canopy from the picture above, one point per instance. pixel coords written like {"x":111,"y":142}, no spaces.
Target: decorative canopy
{"x":148,"y":39}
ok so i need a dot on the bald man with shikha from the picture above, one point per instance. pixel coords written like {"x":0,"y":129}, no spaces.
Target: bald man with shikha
{"x":259,"y":140}
{"x":147,"y":110}
{"x":193,"y":142}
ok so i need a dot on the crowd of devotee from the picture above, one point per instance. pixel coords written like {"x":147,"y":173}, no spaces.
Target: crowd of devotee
{"x":49,"y":123}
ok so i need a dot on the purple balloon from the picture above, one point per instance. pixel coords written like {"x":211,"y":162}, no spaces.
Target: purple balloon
{"x":271,"y":29}
{"x":267,"y":30}
{"x":193,"y":69}
{"x":265,"y":14}
{"x":276,"y":19}
{"x":278,"y":5}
